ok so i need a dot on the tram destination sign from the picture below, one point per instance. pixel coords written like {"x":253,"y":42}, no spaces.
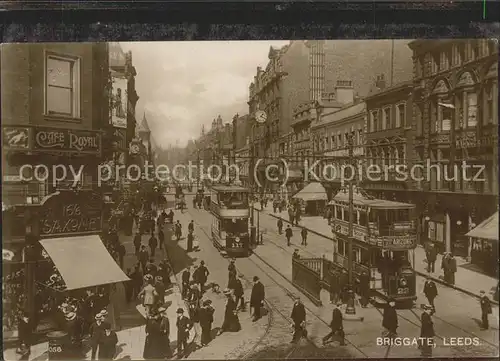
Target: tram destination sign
{"x":67,"y":213}
{"x":395,"y":242}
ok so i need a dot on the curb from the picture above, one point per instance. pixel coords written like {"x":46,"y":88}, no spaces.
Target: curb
{"x":436,"y":279}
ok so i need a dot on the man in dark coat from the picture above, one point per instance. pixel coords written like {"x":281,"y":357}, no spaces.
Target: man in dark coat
{"x":390,"y":318}
{"x":431,"y":255}
{"x":238,"y":294}
{"x":153,"y":243}
{"x":96,"y":332}
{"x":280,"y":226}
{"x":74,"y":326}
{"x":364,"y":288}
{"x":165,"y":332}
{"x":299,"y":320}
{"x":178,"y":229}
{"x":107,"y":343}
{"x":430,"y":291}
{"x":231,"y":269}
{"x":257,"y":297}
{"x":288,"y":234}
{"x":295,"y":254}
{"x":121,"y":253}
{"x":143,"y":258}
{"x":426,"y":332}
{"x":206,"y":318}
{"x":185,"y":279}
{"x":160,"y":289}
{"x":161,"y":237}
{"x":191,"y":226}
{"x":303,"y":233}
{"x":485,"y":310}
{"x":202,"y":276}
{"x":190,"y":241}
{"x":137,"y":242}
{"x":336,"y":326}
{"x":184,"y":325}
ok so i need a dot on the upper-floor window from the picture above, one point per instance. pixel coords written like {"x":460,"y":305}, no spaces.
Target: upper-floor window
{"x":420,"y":66}
{"x":434,"y":63}
{"x":458,"y":54}
{"x":469,"y":107}
{"x":333,"y":142}
{"x":444,"y":61}
{"x":492,"y":46}
{"x":400,"y":115}
{"x":386,"y":119}
{"x":374,"y":121}
{"x":62,"y":81}
{"x":489,"y":115}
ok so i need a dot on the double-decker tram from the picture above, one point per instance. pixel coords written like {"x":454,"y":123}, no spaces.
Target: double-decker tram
{"x":384,"y":239}
{"x":230,"y":209}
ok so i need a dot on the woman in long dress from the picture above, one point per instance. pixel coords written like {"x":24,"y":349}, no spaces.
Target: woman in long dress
{"x":154,"y":346}
{"x":231,"y":321}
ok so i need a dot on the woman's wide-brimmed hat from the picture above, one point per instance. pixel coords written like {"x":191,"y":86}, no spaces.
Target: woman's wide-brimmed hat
{"x":227,"y":291}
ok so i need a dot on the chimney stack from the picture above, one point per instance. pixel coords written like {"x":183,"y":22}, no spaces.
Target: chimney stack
{"x":380,"y":82}
{"x":344,"y":91}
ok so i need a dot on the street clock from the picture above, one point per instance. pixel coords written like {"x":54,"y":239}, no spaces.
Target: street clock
{"x":260,"y":116}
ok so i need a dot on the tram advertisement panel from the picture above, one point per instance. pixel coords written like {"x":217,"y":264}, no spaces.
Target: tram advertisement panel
{"x":395,"y":243}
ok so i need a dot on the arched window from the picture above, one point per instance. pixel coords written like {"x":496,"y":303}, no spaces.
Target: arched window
{"x":440,"y":115}
{"x":467,"y":100}
{"x":490,"y":95}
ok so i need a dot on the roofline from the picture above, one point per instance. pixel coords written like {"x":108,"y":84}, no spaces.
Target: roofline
{"x":363,"y":111}
{"x":399,"y":86}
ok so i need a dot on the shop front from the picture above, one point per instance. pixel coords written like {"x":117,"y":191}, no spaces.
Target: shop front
{"x":484,"y":240}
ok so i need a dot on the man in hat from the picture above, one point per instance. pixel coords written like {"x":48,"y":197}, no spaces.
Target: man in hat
{"x":160,"y":289}
{"x":390,"y":318}
{"x":161,"y":236}
{"x":96,"y":332}
{"x":202,"y":276}
{"x":143,"y":257}
{"x":178,"y":230}
{"x":232,"y":269}
{"x":121,"y":253}
{"x":430,"y":291}
{"x":153,"y":243}
{"x":431,"y":255}
{"x":288,"y":235}
{"x":184,"y":325}
{"x":190,"y":241}
{"x":151,"y":268}
{"x":336,"y":326}
{"x":137,"y":242}
{"x":295,"y":254}
{"x":427,"y":332}
{"x":238,"y":293}
{"x":191,"y":226}
{"x":303,"y":233}
{"x":485,"y":310}
{"x":107,"y":342}
{"x":165,"y":331}
{"x":257,"y":298}
{"x":185,"y":279}
{"x":280,"y":226}
{"x":298,"y":317}
{"x":206,"y":318}
{"x":74,"y":326}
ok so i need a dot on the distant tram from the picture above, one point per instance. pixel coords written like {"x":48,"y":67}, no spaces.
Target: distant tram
{"x":230,"y":209}
{"x":384,"y":233}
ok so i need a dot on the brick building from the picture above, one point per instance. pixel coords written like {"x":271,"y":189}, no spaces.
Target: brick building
{"x":456,"y":119}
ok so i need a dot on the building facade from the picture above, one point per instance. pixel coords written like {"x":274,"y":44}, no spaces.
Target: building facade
{"x":455,"y":120}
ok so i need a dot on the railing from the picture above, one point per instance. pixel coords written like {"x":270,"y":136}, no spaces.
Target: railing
{"x":343,"y":262}
{"x":306,"y":279}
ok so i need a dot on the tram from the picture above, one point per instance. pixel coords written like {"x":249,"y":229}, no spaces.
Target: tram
{"x":384,"y":239}
{"x":230,"y":210}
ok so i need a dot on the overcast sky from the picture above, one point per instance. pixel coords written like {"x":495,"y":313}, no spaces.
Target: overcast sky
{"x":183,"y":85}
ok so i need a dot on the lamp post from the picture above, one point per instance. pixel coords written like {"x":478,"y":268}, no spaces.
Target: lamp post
{"x":350,"y":309}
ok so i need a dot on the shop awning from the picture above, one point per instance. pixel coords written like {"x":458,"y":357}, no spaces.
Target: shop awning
{"x":487,"y":229}
{"x":83,"y":261}
{"x":312,"y":192}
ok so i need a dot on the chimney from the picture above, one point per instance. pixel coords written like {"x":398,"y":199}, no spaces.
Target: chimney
{"x":380,"y":83}
{"x":344,"y":91}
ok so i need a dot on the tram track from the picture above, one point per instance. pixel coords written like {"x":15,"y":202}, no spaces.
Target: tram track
{"x":273,"y":325}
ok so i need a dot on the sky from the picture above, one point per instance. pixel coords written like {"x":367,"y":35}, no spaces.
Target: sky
{"x":182,"y":85}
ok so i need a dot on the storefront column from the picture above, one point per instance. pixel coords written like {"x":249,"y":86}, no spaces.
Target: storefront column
{"x":447,"y":232}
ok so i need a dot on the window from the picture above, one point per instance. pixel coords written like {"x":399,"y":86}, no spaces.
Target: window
{"x":333,"y":142}
{"x":374,"y":121}
{"x":470,"y":110}
{"x":444,"y":60}
{"x":458,"y":54}
{"x":476,"y":50}
{"x":386,"y":119}
{"x":436,"y":231}
{"x":400,"y":115}
{"x":434,"y":64}
{"x":62,"y":81}
{"x":446,"y":117}
{"x":489,"y":110}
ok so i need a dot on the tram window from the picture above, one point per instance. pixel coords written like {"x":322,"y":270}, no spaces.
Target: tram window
{"x":235,"y":225}
{"x":233,"y":199}
{"x":403,"y":215}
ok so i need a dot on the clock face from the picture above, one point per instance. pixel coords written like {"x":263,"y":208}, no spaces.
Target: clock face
{"x":260,"y":116}
{"x":134,"y":148}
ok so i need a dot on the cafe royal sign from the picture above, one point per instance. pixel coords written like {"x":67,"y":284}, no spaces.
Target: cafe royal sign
{"x":52,"y":140}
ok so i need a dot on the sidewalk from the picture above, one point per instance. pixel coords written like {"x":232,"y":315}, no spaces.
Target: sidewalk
{"x":466,"y":281}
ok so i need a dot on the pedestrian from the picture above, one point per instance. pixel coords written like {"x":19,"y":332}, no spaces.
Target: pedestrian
{"x":184,"y":325}
{"x":364,"y":288}
{"x":74,"y":327}
{"x":25,"y":335}
{"x":190,"y":241}
{"x":161,"y":237}
{"x":431,"y":255}
{"x":121,"y":253}
{"x":232,"y":269}
{"x":275,"y":206}
{"x":194,"y":202}
{"x":137,"y":242}
{"x":153,"y":243}
{"x":288,"y":234}
{"x":160,"y":289}
{"x":151,"y":268}
{"x":154,"y":346}
{"x":206,"y":318}
{"x":291,"y":214}
{"x":390,"y":318}
{"x":485,"y":310}
{"x":88,"y":310}
{"x":303,"y":233}
{"x":165,"y":332}
{"x":148,"y":295}
{"x":96,"y":332}
{"x":336,"y":326}
{"x":426,"y":332}
{"x":280,"y":226}
{"x":191,"y":226}
{"x":194,"y":297}
{"x":185,"y":279}
{"x":231,"y":322}
{"x":143,"y":257}
{"x":430,"y":291}
{"x":137,"y":280}
{"x":452,"y":269}
{"x":239,"y":293}
{"x":107,"y":343}
{"x":202,"y":276}
{"x":299,"y":320}
{"x":257,"y":298}
{"x":295,"y":254}
{"x":178,"y":229}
